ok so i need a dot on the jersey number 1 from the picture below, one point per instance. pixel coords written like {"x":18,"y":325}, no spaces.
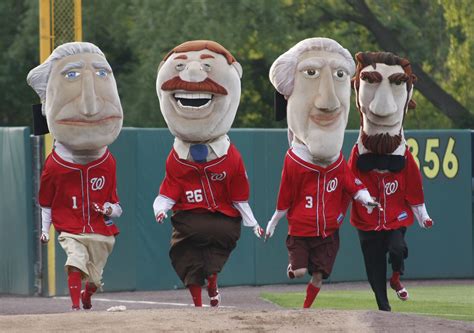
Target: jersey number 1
{"x":74,"y":202}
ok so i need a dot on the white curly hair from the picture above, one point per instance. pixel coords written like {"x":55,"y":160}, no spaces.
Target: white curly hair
{"x":38,"y":77}
{"x":282,"y":71}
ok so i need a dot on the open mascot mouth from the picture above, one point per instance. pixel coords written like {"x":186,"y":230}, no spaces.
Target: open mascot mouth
{"x":193,"y":100}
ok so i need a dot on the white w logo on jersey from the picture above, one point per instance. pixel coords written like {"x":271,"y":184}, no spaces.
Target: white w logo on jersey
{"x":97,"y":183}
{"x":332,"y":185}
{"x":391,"y":187}
{"x":218,"y":176}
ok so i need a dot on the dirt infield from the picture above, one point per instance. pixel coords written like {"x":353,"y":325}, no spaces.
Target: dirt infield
{"x":242,"y":311}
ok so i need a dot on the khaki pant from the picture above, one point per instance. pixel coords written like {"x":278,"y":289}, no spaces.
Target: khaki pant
{"x":87,"y":252}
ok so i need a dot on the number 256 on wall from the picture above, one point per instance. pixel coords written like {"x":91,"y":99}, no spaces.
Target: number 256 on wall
{"x":435,"y":160}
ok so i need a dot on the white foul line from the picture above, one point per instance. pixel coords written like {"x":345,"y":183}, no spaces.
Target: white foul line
{"x":145,"y":302}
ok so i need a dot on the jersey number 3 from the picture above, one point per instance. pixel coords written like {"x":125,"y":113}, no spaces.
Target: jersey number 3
{"x":194,"y":196}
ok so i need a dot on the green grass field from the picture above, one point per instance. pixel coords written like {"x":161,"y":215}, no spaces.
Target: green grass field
{"x":451,"y":302}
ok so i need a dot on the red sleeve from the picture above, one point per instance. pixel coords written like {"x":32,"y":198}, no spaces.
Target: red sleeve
{"x":170,"y":187}
{"x":239,"y":187}
{"x":284,"y":194}
{"x":414,"y":184}
{"x":114,"y":198}
{"x":352,"y":184}
{"x":47,"y":186}
{"x":352,"y":159}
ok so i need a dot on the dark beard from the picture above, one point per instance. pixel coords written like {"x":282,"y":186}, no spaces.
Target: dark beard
{"x":382,"y":143}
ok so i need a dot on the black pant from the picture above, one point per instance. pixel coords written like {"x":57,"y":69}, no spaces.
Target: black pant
{"x":375,"y":245}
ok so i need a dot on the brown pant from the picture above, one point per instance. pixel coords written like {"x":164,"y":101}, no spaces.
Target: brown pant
{"x":317,"y":254}
{"x":201,"y":243}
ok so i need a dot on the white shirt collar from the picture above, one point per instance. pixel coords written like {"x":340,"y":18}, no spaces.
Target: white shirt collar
{"x":219,"y":146}
{"x":69,"y":156}
{"x":302,"y":151}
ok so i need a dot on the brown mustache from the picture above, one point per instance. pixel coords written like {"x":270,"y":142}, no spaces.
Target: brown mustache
{"x":207,"y":85}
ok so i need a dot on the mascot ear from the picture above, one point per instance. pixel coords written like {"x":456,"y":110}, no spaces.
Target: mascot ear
{"x":238,"y":68}
{"x":280,"y":106}
{"x":40,"y":125}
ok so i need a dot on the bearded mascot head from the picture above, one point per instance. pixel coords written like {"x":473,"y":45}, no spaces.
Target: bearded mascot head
{"x":384,"y":86}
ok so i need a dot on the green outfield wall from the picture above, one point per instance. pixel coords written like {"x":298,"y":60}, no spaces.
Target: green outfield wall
{"x":140,"y":259}
{"x":17,"y":234}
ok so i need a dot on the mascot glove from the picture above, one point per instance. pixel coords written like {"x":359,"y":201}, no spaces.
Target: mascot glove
{"x":44,"y":238}
{"x":102,"y":209}
{"x":160,"y":217}
{"x":258,"y":231}
{"x":363,"y":196}
{"x":271,"y":228}
{"x":271,"y":225}
{"x":427,"y":224}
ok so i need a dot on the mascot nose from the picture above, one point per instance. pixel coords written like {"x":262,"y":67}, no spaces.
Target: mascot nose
{"x":326,"y":99}
{"x":193,"y":72}
{"x":88,"y":96}
{"x":383,"y":104}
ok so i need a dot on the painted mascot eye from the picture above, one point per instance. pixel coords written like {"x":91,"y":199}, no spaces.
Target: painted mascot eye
{"x":206,"y":67}
{"x":340,"y":74}
{"x":311,"y":73}
{"x":70,"y":75}
{"x":179,"y":67}
{"x":102,"y":73}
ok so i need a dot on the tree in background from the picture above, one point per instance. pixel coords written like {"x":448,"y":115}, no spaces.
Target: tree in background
{"x":437,"y":36}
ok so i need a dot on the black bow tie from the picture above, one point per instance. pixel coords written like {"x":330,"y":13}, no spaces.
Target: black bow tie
{"x":370,"y":161}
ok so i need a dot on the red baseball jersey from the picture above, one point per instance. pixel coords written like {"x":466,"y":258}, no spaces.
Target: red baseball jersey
{"x":395,"y":191}
{"x":70,"y":190}
{"x":316,"y":197}
{"x":212,"y":186}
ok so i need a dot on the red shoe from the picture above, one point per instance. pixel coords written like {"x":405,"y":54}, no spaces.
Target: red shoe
{"x":214,"y":296}
{"x":401,"y":291}
{"x":75,"y":308}
{"x":86,"y":300}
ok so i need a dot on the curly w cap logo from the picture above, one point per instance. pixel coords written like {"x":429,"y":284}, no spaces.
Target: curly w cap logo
{"x":218,"y":176}
{"x":332,"y":185}
{"x":391,"y":187}
{"x":97,"y":183}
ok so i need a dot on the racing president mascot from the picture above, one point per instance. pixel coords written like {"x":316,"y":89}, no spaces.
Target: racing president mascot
{"x":313,"y":79}
{"x":78,"y":192}
{"x":384,"y":86}
{"x":205,"y":184}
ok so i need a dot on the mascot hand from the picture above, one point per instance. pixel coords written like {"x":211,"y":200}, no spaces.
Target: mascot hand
{"x":101,"y":209}
{"x":270,"y":228}
{"x":44,"y":238}
{"x":160,"y":217}
{"x":258,"y":231}
{"x":427,"y":224}
{"x":363,"y":196}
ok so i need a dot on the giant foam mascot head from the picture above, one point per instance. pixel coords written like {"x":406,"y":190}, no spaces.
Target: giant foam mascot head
{"x":384,"y":86}
{"x":314,"y":77}
{"x":79,"y":96}
{"x":198,"y":86}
